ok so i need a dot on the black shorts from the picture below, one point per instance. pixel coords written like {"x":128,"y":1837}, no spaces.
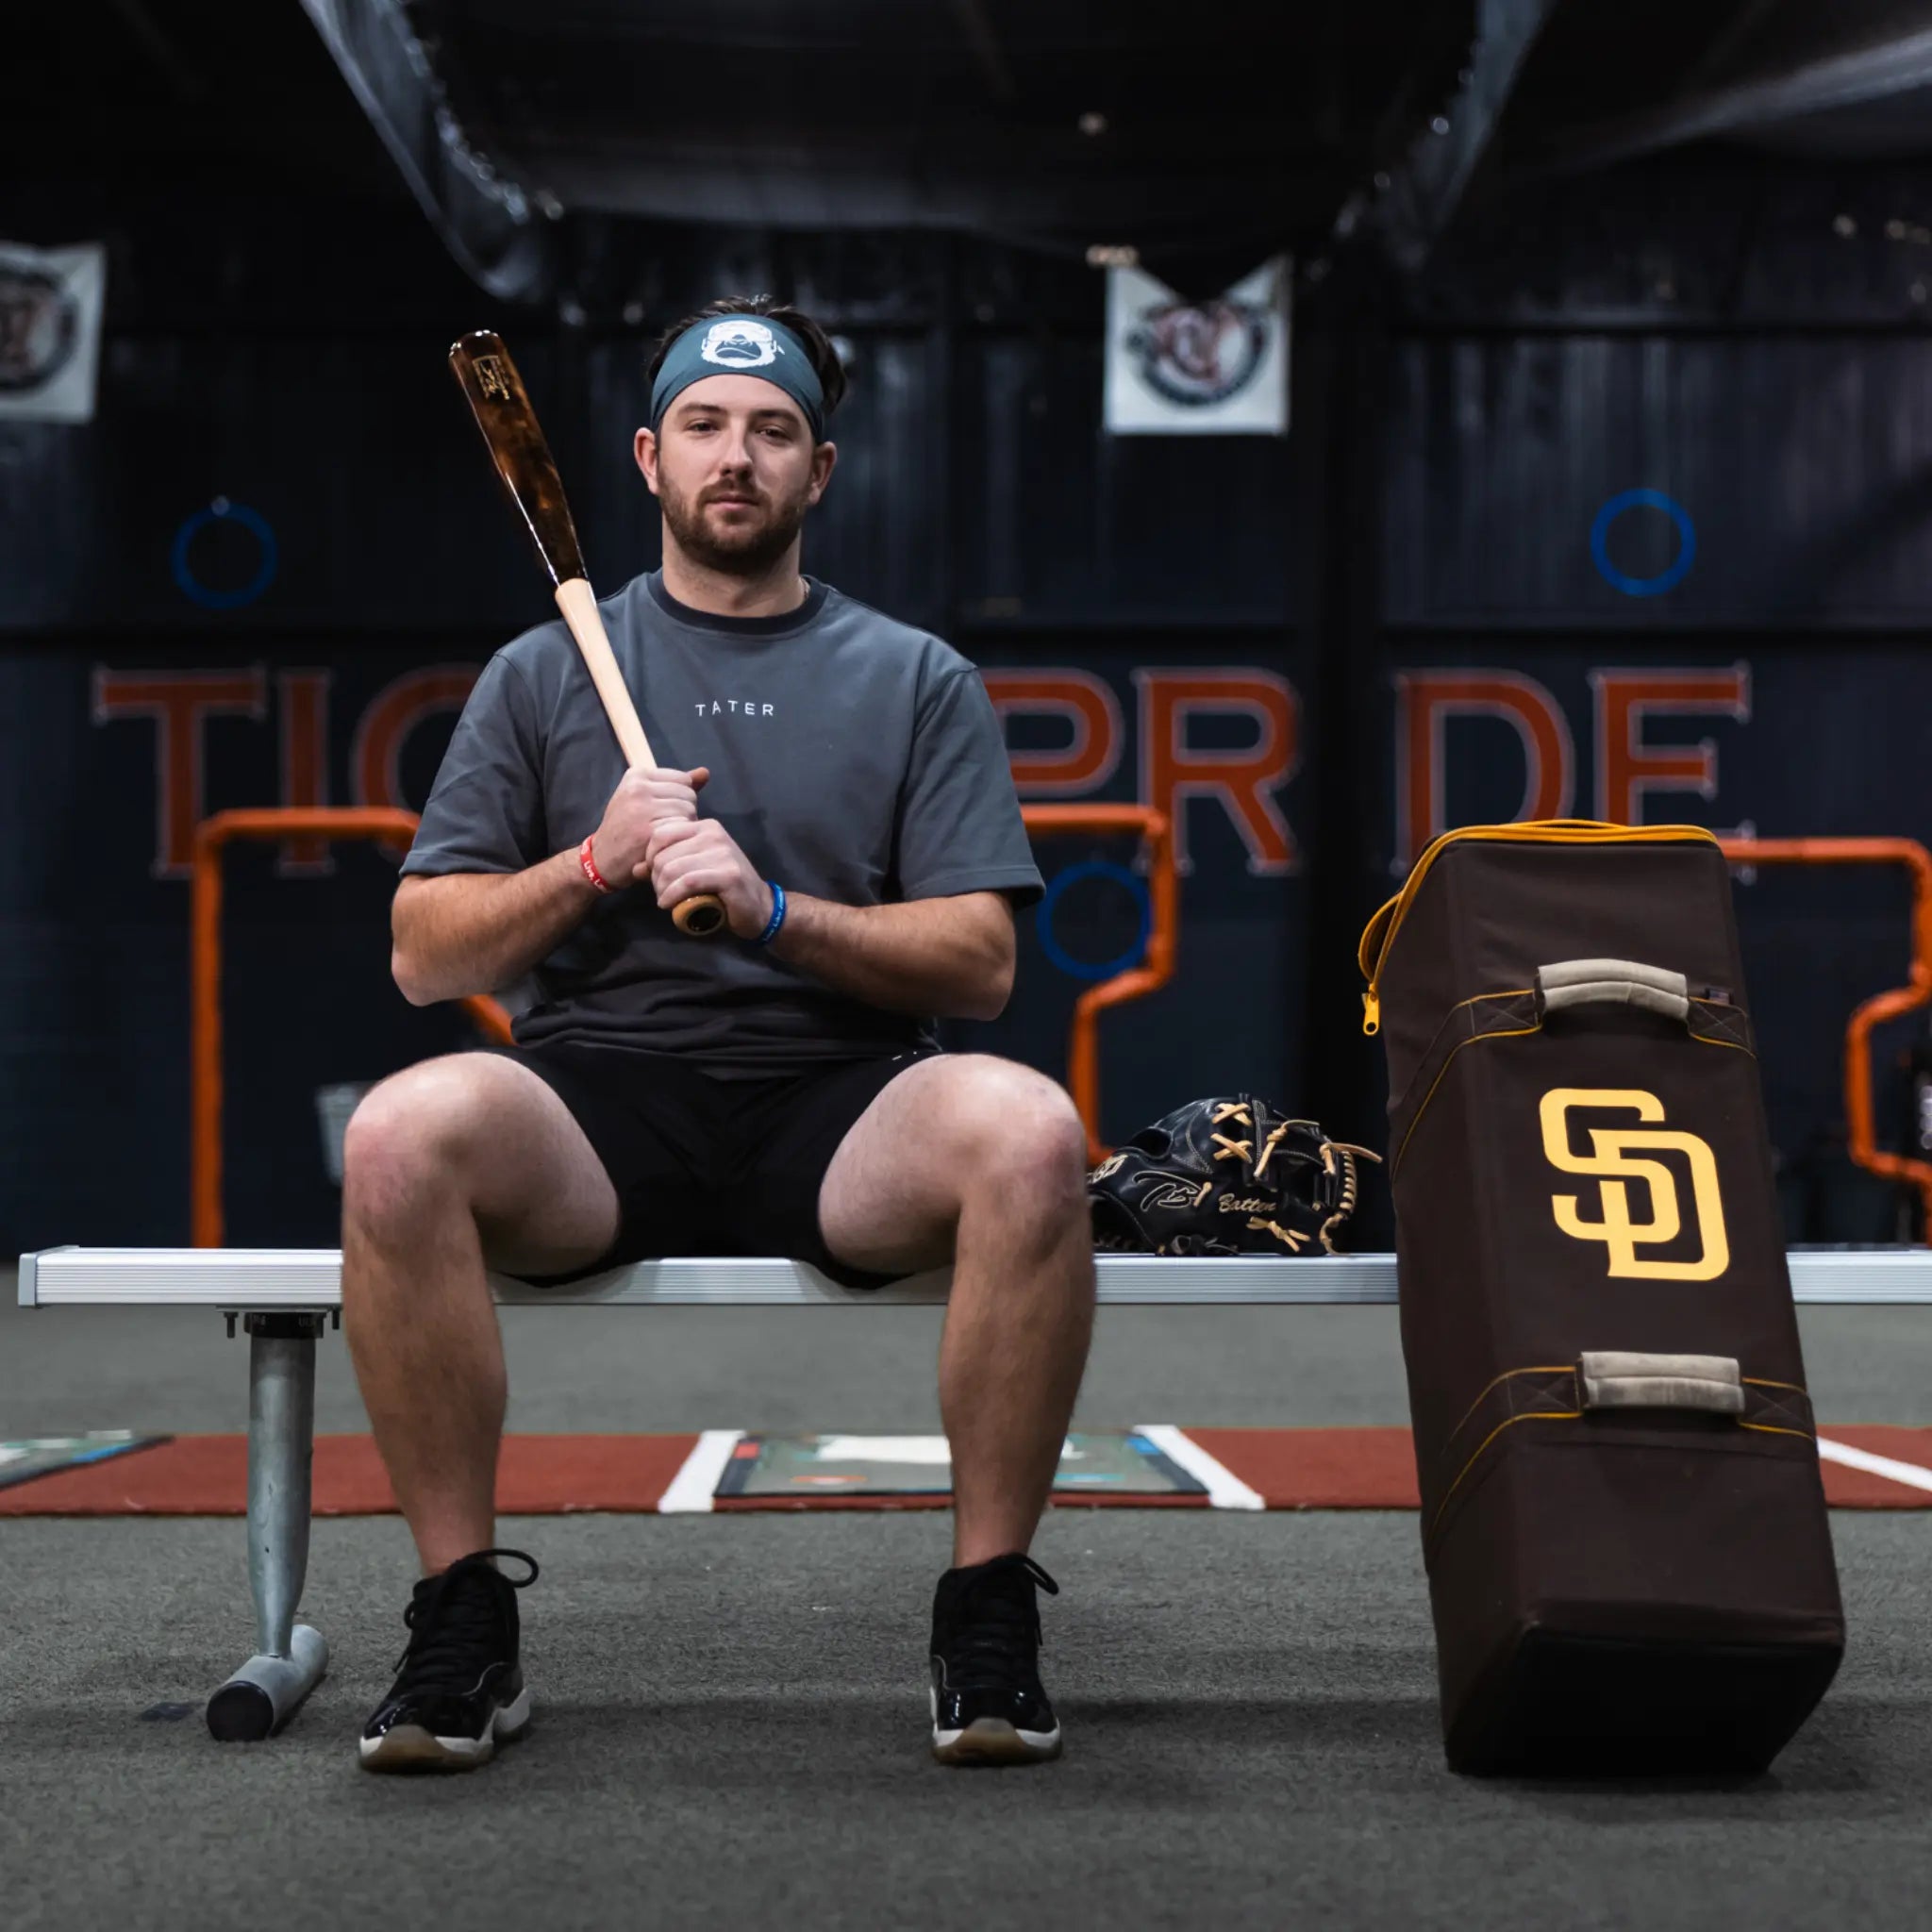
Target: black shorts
{"x":711,"y":1166}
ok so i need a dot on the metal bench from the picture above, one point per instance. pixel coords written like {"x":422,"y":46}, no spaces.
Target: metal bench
{"x":285,"y":1298}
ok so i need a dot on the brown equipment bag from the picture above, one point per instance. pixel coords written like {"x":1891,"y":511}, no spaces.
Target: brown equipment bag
{"x":1625,"y":1529}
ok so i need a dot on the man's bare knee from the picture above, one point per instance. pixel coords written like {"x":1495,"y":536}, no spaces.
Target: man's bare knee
{"x":408,"y":1144}
{"x":479,"y":1136}
{"x":1020,"y":1135}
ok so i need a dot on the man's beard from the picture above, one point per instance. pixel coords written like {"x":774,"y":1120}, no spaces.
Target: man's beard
{"x":748,"y":550}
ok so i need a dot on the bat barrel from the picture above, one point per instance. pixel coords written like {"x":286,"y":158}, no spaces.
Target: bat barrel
{"x":501,"y":405}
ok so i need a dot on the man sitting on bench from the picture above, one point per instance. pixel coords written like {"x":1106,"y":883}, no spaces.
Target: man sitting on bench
{"x":773,"y":1091}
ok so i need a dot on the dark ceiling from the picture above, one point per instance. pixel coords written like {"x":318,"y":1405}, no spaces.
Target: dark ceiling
{"x":1064,"y":120}
{"x":1844,"y":78}
{"x":116,"y":90}
{"x":1053,"y":125}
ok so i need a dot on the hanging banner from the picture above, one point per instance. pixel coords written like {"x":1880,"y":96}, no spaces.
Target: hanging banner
{"x":1181,"y":368}
{"x":50,"y":331}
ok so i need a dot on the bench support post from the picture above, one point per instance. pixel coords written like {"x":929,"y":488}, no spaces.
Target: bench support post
{"x":289,"y":1657}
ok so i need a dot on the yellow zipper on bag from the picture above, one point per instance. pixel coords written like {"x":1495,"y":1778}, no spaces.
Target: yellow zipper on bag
{"x":1372,"y":956}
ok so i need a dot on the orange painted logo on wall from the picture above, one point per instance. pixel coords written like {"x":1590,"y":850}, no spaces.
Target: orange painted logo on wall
{"x":1627,"y":770}
{"x":1626,"y":767}
{"x":180,"y":703}
{"x":1085,"y":704}
{"x":1175,"y":769}
{"x":1425,"y":701}
{"x":1223,"y":742}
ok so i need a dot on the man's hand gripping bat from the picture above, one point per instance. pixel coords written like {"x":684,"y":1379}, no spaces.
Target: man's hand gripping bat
{"x":481,"y":365}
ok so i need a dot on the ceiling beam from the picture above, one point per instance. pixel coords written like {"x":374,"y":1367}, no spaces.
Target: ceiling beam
{"x":1425,"y":191}
{"x":985,"y":42}
{"x":487,"y":220}
{"x":1843,"y":79}
{"x":189,"y":85}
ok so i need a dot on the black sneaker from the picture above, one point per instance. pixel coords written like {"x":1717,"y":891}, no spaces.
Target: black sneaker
{"x":460,"y":1689}
{"x":988,"y":1707}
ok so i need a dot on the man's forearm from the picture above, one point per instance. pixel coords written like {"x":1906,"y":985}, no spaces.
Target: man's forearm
{"x":953,"y":957}
{"x":474,"y":932}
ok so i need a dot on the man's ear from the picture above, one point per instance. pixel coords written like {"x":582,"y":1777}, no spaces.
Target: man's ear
{"x":823,"y":461}
{"x":645,"y":448}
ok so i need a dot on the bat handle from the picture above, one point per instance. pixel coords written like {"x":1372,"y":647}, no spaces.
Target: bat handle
{"x":700,"y":917}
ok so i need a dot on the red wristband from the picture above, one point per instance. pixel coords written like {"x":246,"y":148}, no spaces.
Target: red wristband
{"x":589,"y":866}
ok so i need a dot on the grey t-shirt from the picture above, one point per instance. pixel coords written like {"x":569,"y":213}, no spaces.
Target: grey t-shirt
{"x":852,"y":759}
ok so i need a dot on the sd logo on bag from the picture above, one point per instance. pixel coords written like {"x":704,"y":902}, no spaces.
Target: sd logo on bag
{"x":1609,"y":1161}
{"x":1629,"y":1561}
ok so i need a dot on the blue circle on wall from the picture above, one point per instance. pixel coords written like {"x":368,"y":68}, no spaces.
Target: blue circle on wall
{"x":1600,"y":543}
{"x":1094,"y":969}
{"x":222,"y":510}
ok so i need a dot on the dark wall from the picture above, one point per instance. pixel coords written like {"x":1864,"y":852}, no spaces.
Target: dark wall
{"x":1805,"y":463}
{"x":287,"y":356}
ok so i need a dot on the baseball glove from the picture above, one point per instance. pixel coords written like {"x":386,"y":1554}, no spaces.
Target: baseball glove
{"x":1225,"y":1176}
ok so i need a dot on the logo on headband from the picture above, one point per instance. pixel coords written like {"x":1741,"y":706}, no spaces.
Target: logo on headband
{"x":741,"y":344}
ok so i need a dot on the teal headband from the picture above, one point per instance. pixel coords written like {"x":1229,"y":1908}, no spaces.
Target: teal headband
{"x":741,"y":345}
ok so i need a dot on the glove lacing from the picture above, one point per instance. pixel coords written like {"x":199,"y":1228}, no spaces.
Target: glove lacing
{"x":1346,"y":1153}
{"x":1338,"y":1162}
{"x":1230,"y":1149}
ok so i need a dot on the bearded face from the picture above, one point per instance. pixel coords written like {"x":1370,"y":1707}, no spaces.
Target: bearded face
{"x":735,"y":475}
{"x":735,"y":526}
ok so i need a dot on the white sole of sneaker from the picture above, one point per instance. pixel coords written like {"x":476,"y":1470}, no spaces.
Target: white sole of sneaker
{"x":992,"y":1741}
{"x":409,"y":1747}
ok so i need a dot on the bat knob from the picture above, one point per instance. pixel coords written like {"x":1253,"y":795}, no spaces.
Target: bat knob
{"x":701,"y":918}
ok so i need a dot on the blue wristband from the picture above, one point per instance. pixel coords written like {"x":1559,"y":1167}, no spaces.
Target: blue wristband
{"x":777,"y":918}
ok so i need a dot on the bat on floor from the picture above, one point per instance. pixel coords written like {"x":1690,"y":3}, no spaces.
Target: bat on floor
{"x":502,"y":407}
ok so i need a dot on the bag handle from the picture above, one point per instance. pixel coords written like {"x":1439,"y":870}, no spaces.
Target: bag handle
{"x":1615,"y":1379}
{"x":1612,"y":982}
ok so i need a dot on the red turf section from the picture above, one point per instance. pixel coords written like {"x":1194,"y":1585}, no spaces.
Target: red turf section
{"x":1319,"y":1469}
{"x":555,"y":1476}
{"x":208,"y":1476}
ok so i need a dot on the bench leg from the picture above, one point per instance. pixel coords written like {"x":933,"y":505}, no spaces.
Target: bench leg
{"x":290,"y":1657}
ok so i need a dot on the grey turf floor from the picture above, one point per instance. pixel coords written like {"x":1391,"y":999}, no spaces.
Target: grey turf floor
{"x":730,"y":1732}
{"x":731,"y":1710}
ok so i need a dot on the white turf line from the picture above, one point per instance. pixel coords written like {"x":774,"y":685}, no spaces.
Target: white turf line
{"x":1226,"y":1490}
{"x":694,"y":1484}
{"x":1910,"y":1473}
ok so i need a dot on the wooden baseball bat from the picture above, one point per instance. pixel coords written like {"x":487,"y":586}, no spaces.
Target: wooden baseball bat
{"x":501,"y":405}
